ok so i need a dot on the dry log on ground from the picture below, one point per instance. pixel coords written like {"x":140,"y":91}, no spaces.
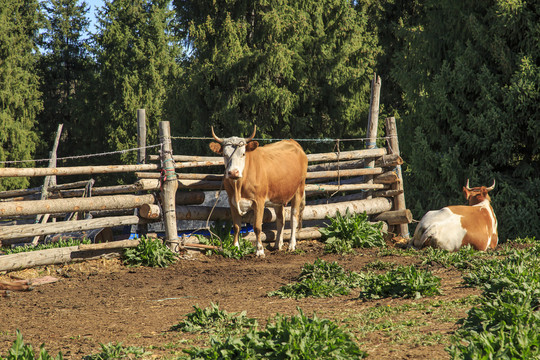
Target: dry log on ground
{"x":56,"y":256}
{"x":74,"y":204}
{"x":318,"y":188}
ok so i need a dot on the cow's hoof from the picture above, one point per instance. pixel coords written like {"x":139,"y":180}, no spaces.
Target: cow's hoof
{"x":292,"y":248}
{"x":260,"y":253}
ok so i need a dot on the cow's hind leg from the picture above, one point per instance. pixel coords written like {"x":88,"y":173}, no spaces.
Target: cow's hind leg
{"x":280,"y":226}
{"x":297,"y":207}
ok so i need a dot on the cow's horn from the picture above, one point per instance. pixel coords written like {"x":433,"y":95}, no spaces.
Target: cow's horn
{"x":252,"y":135}
{"x":492,"y":186}
{"x":219,"y":140}
{"x":467,"y":186}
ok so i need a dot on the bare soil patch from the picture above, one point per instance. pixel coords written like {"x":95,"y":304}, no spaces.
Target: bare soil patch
{"x":103,"y":301}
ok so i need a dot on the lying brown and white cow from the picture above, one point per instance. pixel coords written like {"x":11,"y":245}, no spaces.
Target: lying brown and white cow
{"x":452,"y":227}
{"x":256,"y":176}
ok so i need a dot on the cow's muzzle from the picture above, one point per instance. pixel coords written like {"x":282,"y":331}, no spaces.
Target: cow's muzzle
{"x":234,"y":174}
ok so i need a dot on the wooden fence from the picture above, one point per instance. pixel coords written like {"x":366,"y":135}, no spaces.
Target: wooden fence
{"x":367,"y":180}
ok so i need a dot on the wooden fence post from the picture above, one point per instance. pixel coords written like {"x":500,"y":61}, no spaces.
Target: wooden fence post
{"x":141,"y":159}
{"x":141,"y":136}
{"x":373,"y":122}
{"x":393,"y":148}
{"x":170,"y":185}
{"x":49,"y":181}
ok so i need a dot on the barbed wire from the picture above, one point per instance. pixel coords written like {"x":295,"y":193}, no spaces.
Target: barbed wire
{"x":299,"y":140}
{"x":82,"y":156}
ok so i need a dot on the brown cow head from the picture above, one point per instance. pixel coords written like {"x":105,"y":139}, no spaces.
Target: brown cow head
{"x":477,"y":194}
{"x":234,"y":151}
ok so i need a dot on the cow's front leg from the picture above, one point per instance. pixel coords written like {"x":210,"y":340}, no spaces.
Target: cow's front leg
{"x":280,"y":226}
{"x":258,"y":211}
{"x":237,"y":220}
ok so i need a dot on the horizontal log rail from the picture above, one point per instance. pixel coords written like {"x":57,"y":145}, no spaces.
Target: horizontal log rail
{"x":35,"y":207}
{"x":75,"y":170}
{"x":315,"y":212}
{"x":343,"y":155}
{"x":22,"y":231}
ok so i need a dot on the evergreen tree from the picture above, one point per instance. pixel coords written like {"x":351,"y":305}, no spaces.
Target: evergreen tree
{"x":66,"y":69}
{"x":20,"y":100}
{"x":138,"y":60}
{"x":471,"y":81}
{"x":293,"y":68}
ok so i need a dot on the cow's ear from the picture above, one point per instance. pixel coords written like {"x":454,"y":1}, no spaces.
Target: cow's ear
{"x":252,"y":145}
{"x":216,"y":147}
{"x":466,"y":192}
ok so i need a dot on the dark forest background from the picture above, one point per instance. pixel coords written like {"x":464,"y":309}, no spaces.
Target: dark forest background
{"x":461,"y":77}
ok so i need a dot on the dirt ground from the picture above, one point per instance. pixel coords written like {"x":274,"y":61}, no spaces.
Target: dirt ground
{"x":102,"y":301}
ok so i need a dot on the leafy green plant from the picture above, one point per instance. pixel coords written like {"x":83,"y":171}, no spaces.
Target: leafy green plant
{"x":297,"y":337}
{"x":149,"y":252}
{"x":320,"y":279}
{"x":403,"y":281}
{"x":223,"y":239}
{"x":351,"y":231}
{"x":58,"y":244}
{"x":22,"y":351}
{"x":214,"y":320}
{"x":461,"y":259}
{"x":118,"y":351}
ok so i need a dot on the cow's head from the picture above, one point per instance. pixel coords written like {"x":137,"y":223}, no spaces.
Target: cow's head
{"x":234,"y":151}
{"x":477,"y":194}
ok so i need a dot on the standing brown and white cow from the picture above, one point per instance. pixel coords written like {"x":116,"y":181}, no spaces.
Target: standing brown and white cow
{"x":452,"y":227}
{"x":273,"y":174}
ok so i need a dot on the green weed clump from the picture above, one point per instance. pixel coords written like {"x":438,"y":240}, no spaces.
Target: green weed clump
{"x":151,"y":253}
{"x":22,"y":351}
{"x":57,"y":244}
{"x":344,"y":233}
{"x":506,"y":323}
{"x":224,"y":240}
{"x":320,"y":279}
{"x":214,"y":320}
{"x":403,"y":281}
{"x":118,"y":351}
{"x":297,"y":337}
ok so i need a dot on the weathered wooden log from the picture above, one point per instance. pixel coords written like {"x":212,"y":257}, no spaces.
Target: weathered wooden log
{"x":373,"y":121}
{"x":373,"y":206}
{"x":390,"y":160}
{"x":75,"y":170}
{"x":271,"y":235}
{"x":316,"y":188}
{"x":168,"y":190}
{"x":19,"y":192}
{"x":74,"y":204}
{"x":344,"y":155}
{"x":154,"y":184}
{"x":343,"y":173}
{"x":388,"y":177}
{"x":399,"y":201}
{"x":21,"y":231}
{"x":395,"y":217}
{"x":57,"y":256}
{"x":150,"y":211}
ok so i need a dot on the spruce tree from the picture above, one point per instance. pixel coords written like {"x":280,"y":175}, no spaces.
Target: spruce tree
{"x":295,"y":69}
{"x":471,"y":81}
{"x":20,"y":101}
{"x":66,"y":69}
{"x":137,"y":59}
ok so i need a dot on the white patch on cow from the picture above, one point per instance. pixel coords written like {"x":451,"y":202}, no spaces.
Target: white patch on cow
{"x":234,"y":151}
{"x":441,"y":229}
{"x":487,"y":205}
